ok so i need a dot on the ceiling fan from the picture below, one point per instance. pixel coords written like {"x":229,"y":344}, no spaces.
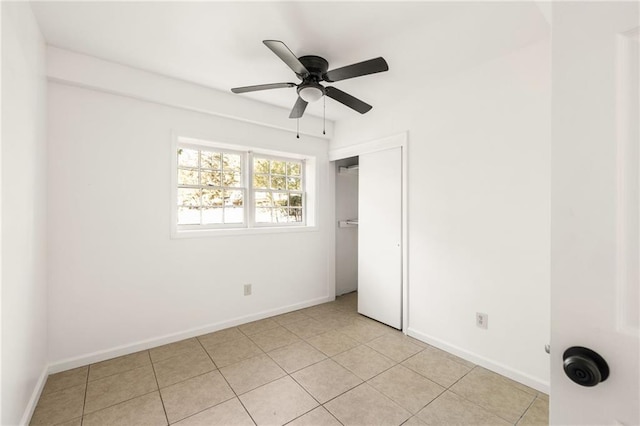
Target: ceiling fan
{"x":312,"y":70}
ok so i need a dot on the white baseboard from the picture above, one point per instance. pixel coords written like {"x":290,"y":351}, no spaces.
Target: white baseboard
{"x":489,"y":364}
{"x":35,"y":396}
{"x":130,"y":348}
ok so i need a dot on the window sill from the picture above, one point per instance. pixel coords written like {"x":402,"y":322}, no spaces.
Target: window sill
{"x":222,"y":232}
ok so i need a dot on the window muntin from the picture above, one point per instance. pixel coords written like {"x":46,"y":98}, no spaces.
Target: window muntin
{"x":278,"y":190}
{"x":210,"y":187}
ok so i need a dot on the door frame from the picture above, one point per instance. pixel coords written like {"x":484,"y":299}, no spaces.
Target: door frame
{"x":396,"y":140}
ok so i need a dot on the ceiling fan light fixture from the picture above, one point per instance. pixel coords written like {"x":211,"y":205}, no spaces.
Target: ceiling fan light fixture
{"x":311,"y":93}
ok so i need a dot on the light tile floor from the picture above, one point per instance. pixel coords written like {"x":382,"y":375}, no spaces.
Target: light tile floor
{"x":324,"y":365}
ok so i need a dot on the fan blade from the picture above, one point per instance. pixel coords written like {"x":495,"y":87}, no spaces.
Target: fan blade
{"x":347,"y":99}
{"x":283,"y":52}
{"x":298,"y":108}
{"x":246,"y":89}
{"x":371,"y":66}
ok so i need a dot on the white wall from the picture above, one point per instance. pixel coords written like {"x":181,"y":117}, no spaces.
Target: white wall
{"x":24,"y":290}
{"x":118,"y":281}
{"x":110,"y":77}
{"x":346,"y":237}
{"x":479,"y":146}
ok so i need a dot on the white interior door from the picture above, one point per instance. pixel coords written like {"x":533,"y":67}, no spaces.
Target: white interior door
{"x":380,"y":236}
{"x":594,"y":208}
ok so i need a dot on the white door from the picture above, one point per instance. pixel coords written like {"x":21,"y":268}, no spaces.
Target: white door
{"x":380,"y":236}
{"x":594,"y":208}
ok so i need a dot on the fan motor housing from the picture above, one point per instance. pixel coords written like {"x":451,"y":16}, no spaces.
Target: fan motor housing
{"x":316,"y":65}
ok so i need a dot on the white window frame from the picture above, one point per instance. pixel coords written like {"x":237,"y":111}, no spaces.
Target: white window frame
{"x":253,"y":190}
{"x":244,"y":187}
{"x":309,"y":191}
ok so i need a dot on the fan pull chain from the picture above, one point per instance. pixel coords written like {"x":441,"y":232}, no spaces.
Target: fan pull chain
{"x":297,"y":128}
{"x":324,"y":113}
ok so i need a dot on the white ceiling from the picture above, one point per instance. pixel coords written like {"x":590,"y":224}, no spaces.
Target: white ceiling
{"x":219,"y":44}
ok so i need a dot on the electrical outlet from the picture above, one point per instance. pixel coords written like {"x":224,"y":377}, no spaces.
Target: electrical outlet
{"x":247,"y":289}
{"x":482,"y":320}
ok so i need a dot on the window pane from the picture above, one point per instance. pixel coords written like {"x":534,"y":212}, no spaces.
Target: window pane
{"x":293,"y":169}
{"x":278,"y":167}
{"x":212,"y":198}
{"x":263,"y":215}
{"x":231,"y":162}
{"x":261,"y":181}
{"x":278,"y":182}
{"x":260,"y":165}
{"x":187,"y":177}
{"x":233,"y":198}
{"x":280,"y":215}
{"x":211,"y":160}
{"x":188,"y":216}
{"x":295,"y":200}
{"x":210,"y":216}
{"x":295,"y":215}
{"x":263,"y":199}
{"x":210,"y":178}
{"x":293,"y":184}
{"x":188,"y":197}
{"x":280,"y":199}
{"x":231,"y":179}
{"x":187,"y":157}
{"x":234,"y":215}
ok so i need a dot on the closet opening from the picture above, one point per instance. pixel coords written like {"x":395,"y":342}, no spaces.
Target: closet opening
{"x":346,"y":205}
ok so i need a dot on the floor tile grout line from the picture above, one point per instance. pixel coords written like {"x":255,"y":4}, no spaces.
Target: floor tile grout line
{"x":229,"y":385}
{"x":451,"y":359}
{"x":121,"y":402}
{"x":187,"y":379}
{"x":527,"y":409}
{"x":302,"y":368}
{"x":86,"y":391}
{"x":66,"y":386}
{"x":307,"y":412}
{"x":462,"y":377}
{"x":172,"y":356}
{"x":448,"y":389}
{"x":332,"y":415}
{"x":119,"y":371}
{"x":243,"y":336}
{"x":485,"y":408}
{"x":88,"y":366}
{"x":204,"y":409}
{"x":472,"y":402}
{"x":400,"y":363}
{"x":236,"y":362}
{"x":383,"y":371}
{"x":155,"y":376}
{"x":305,"y":389}
{"x":375,"y":389}
{"x":429,"y":378}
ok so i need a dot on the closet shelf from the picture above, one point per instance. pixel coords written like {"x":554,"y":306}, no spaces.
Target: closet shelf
{"x":349,"y":170}
{"x":349,"y":223}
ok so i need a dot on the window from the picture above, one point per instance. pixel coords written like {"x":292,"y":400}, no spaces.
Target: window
{"x":210,"y":189}
{"x":277,"y":189}
{"x":219,"y":186}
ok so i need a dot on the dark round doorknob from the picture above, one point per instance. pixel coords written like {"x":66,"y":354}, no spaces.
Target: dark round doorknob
{"x":584,"y":366}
